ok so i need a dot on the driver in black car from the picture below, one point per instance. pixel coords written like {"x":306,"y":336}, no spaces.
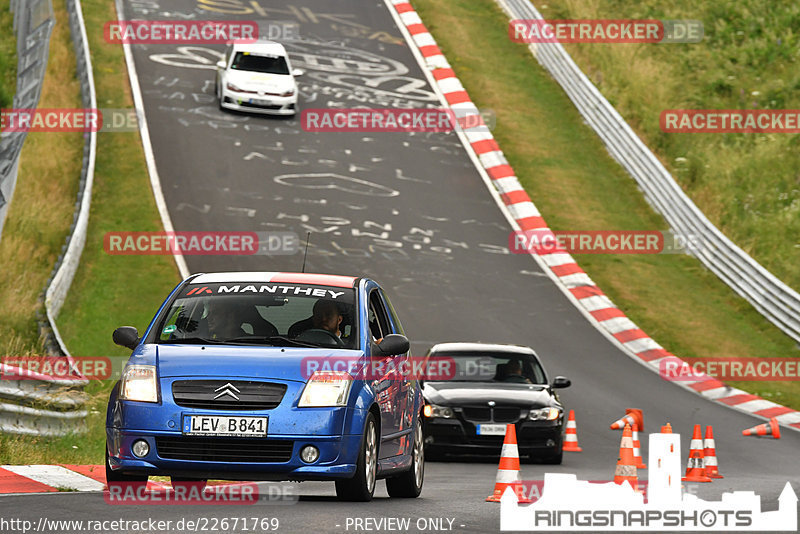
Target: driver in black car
{"x":514,"y":373}
{"x":326,"y":316}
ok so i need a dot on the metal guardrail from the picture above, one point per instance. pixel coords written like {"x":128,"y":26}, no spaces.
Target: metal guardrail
{"x":779,"y":303}
{"x":68,"y":261}
{"x":33,"y":23}
{"x":54,"y":407}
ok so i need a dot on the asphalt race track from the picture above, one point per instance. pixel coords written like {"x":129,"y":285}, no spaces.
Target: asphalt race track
{"x":411,"y":211}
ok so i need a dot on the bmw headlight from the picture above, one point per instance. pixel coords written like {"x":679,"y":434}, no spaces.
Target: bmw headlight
{"x":544,"y":414}
{"x":139,"y":384}
{"x":326,"y":389}
{"x":432,"y":411}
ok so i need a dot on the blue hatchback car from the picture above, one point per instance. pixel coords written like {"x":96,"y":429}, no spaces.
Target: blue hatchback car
{"x":261,"y":376}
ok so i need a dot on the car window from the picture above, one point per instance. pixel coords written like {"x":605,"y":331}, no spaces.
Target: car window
{"x":257,"y":63}
{"x":253,"y":313}
{"x":378,"y":322}
{"x":495,"y":367}
{"x":393,"y":314}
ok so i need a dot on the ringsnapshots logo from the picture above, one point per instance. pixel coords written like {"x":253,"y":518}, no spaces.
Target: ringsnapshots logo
{"x":394,"y":120}
{"x":180,"y":31}
{"x":605,"y":31}
{"x":201,"y":243}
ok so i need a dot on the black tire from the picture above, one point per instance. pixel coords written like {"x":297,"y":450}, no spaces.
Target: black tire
{"x":409,"y":484}
{"x":115,"y":477}
{"x":188,"y":481}
{"x":361,"y":487}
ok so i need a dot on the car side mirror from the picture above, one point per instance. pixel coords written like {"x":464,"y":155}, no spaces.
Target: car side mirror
{"x":561,"y":382}
{"x":221,"y":64}
{"x":126,"y":336}
{"x":298,"y":72}
{"x":394,"y":344}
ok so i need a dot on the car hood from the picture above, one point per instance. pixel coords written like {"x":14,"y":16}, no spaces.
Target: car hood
{"x":260,"y":81}
{"x":463,"y":393}
{"x":295,"y":364}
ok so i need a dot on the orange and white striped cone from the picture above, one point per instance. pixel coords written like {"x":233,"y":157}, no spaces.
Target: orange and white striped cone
{"x":571,"y":436}
{"x":632,"y":415}
{"x":710,"y":454}
{"x":508,"y":470}
{"x":771,"y":428}
{"x":695,"y":469}
{"x":637,"y":448}
{"x":626,"y":464}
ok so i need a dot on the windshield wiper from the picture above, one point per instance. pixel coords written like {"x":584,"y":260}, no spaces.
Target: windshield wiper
{"x":275,"y":341}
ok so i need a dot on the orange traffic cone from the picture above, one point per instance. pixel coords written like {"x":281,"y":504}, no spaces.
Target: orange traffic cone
{"x":632,"y":415}
{"x":571,"y":437}
{"x":695,"y":470}
{"x":637,"y":453}
{"x":626,"y":464}
{"x":710,"y":454}
{"x":771,"y":428}
{"x":666,"y":429}
{"x":508,"y":470}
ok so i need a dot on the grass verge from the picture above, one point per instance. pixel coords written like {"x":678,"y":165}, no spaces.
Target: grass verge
{"x":108,"y":291}
{"x":41,"y":210}
{"x":747,"y":184}
{"x":578,"y":186}
{"x":8,"y":55}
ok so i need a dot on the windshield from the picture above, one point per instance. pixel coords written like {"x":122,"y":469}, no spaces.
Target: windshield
{"x":269,"y":64}
{"x":495,"y":367}
{"x":262,"y":314}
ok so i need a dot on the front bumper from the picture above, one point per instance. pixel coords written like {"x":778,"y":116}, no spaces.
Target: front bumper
{"x":263,"y":104}
{"x":456,"y":437}
{"x":336,"y":432}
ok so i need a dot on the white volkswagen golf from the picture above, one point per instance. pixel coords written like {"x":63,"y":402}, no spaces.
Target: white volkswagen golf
{"x":257,"y":77}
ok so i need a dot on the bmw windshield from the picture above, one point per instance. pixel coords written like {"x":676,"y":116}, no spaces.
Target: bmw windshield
{"x":274,"y":314}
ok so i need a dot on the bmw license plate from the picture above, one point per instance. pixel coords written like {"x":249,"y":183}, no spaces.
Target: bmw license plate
{"x":491,"y":430}
{"x":224,"y":425}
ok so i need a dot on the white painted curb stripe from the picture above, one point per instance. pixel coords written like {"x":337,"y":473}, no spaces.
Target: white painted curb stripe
{"x":55,"y":476}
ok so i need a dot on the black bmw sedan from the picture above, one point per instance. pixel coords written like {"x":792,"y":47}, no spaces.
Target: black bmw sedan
{"x":489,"y":387}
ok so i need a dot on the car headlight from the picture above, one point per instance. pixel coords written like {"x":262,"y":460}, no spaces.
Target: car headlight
{"x":325,"y":389}
{"x":290,"y":92}
{"x":432,"y":411}
{"x":544,"y":414}
{"x":232,"y":87}
{"x":139,"y":384}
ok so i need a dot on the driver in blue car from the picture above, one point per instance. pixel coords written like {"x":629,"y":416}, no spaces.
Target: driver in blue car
{"x":326,"y":316}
